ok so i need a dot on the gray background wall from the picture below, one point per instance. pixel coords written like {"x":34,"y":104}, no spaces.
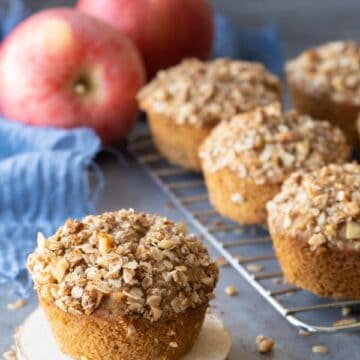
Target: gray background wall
{"x":301,"y":23}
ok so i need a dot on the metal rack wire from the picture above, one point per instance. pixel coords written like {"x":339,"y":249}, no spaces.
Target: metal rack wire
{"x":247,"y":248}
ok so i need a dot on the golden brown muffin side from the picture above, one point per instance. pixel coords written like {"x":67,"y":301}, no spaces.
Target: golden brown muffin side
{"x":325,"y":271}
{"x":178,"y":143}
{"x":321,"y":106}
{"x":315,"y":225}
{"x":97,"y":337}
{"x":239,"y":199}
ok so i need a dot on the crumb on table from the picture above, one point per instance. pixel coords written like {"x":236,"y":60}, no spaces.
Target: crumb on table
{"x":231,"y":290}
{"x":18,"y":304}
{"x":264,"y":344}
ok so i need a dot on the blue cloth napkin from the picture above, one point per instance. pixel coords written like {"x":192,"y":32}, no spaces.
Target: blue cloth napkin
{"x":263,"y":45}
{"x":44,"y":179}
{"x":11,"y":13}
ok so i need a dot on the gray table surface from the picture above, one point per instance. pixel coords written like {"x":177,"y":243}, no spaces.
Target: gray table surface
{"x":301,"y":24}
{"x":246,"y":315}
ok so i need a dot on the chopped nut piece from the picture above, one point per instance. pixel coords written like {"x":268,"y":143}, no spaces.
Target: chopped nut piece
{"x":167,"y":244}
{"x":320,"y":349}
{"x":18,"y":304}
{"x":105,"y":242}
{"x":59,"y":268}
{"x":264,"y":344}
{"x":352,"y":230}
{"x":231,"y":290}
{"x":317,"y":240}
{"x":173,"y":344}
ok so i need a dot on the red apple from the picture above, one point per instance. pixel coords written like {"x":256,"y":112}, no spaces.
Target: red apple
{"x":63,"y":68}
{"x":165,"y":31}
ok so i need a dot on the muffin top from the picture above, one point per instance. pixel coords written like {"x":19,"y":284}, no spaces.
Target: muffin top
{"x":332,"y":69}
{"x":203,"y":93}
{"x":123,"y":263}
{"x":322,"y":206}
{"x":265,"y":145}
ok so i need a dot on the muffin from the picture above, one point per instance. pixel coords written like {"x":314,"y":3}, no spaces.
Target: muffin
{"x":315,"y":226}
{"x":123,"y":285}
{"x":185,"y":102}
{"x":245,"y":160}
{"x":325,"y":83}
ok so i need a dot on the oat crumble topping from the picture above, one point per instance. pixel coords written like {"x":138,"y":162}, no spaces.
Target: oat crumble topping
{"x":332,"y":69}
{"x":203,"y":93}
{"x":265,"y":145}
{"x":148,"y":265}
{"x":322,"y":206}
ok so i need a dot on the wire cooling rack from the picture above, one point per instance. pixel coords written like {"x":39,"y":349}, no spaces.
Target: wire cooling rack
{"x":247,"y":248}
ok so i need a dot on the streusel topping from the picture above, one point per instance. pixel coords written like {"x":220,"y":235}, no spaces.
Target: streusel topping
{"x":147,"y":265}
{"x":266,"y":145}
{"x":322,"y":206}
{"x":332,"y":69}
{"x":203,"y":93}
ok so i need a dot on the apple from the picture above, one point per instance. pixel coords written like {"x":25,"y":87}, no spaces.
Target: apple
{"x":165,"y":31}
{"x":63,"y":68}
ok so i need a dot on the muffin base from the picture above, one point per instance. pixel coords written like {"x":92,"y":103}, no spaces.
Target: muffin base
{"x":341,"y":114}
{"x":213,"y":343}
{"x":99,"y":337}
{"x":179,"y":144}
{"x":223,"y":184}
{"x":326,"y":271}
